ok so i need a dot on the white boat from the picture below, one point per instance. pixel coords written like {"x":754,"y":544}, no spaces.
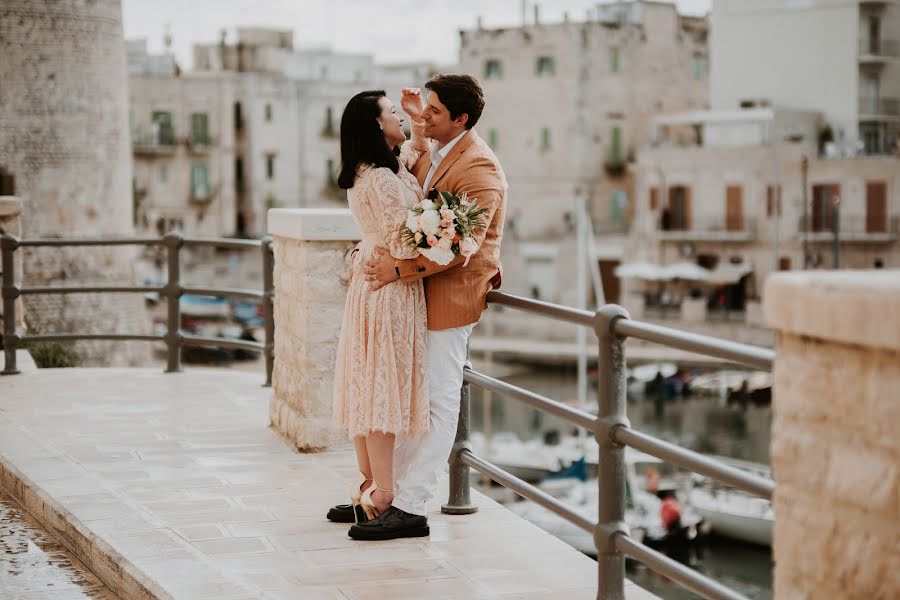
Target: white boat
{"x":732,"y":513}
{"x":642,"y":508}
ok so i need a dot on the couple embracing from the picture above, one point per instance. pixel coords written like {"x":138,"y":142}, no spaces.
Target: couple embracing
{"x":407,"y":319}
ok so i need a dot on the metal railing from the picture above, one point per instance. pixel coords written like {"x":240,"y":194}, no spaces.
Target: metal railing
{"x":889,"y":107}
{"x":174,"y":338}
{"x":613,"y":433}
{"x":852,"y":226}
{"x":879,"y":47}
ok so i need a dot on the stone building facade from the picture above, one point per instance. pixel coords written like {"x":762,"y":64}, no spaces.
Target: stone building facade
{"x":568,"y":105}
{"x":64,"y":137}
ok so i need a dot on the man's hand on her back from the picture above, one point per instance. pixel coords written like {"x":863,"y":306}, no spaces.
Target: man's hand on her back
{"x":379,"y":269}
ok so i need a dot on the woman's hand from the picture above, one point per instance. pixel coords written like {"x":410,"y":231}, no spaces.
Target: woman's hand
{"x":411,"y":103}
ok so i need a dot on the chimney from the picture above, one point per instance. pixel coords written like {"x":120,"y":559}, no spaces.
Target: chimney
{"x":479,"y":23}
{"x":537,"y":14}
{"x":524,"y":13}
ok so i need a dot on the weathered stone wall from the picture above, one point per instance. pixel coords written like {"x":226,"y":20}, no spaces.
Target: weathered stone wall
{"x":312,"y":248}
{"x":64,"y":136}
{"x":835,"y":448}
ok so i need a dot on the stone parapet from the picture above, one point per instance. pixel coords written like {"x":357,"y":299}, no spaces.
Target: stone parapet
{"x":312,"y":251}
{"x":835,"y":449}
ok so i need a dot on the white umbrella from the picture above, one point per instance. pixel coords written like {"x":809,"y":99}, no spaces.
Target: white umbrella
{"x":640,"y":270}
{"x":686,"y":270}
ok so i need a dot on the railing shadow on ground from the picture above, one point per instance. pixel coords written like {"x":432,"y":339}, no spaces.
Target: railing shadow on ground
{"x":610,"y":426}
{"x":175,"y":339}
{"x":613,"y":433}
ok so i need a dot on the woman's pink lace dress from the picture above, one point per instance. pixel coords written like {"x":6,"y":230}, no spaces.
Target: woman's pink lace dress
{"x":380,"y":382}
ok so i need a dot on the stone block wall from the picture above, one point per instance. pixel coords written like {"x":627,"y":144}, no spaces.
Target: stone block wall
{"x":64,"y":137}
{"x":312,"y":252}
{"x":835,"y":447}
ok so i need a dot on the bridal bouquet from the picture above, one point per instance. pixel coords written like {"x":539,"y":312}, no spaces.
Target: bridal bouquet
{"x":442,"y":227}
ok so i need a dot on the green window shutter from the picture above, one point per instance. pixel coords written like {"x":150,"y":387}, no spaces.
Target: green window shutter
{"x":545,"y":138}
{"x":199,"y":180}
{"x":614,"y":59}
{"x":492,"y":138}
{"x":615,"y":147}
{"x":200,"y":128}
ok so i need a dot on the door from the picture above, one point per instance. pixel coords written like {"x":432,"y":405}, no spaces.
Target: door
{"x":876,"y":207}
{"x":679,"y":208}
{"x":734,"y":209}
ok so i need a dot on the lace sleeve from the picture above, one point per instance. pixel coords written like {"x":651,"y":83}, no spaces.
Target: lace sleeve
{"x":392,"y":207}
{"x":417,"y":145}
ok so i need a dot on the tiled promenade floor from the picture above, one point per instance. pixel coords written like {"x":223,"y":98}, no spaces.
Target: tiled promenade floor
{"x":173,"y":486}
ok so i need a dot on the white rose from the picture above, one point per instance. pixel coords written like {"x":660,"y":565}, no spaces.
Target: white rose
{"x":437,"y":255}
{"x":446,"y":243}
{"x":430,"y":222}
{"x":468,"y":246}
{"x":427,"y":204}
{"x":419,"y":236}
{"x":412,"y":223}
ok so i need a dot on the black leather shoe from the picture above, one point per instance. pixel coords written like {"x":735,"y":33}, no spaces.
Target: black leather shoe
{"x":343,"y":513}
{"x":390,"y":525}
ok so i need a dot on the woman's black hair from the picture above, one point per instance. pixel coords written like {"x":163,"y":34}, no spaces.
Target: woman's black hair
{"x":362,"y":140}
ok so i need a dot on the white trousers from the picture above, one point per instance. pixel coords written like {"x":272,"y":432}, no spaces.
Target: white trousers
{"x":419,"y":461}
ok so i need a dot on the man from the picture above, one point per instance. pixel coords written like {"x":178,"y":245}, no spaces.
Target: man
{"x":459,"y":161}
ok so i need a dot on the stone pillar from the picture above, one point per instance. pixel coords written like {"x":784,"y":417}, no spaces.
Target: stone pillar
{"x":312,"y":253}
{"x":835,"y":446}
{"x":64,"y":137}
{"x":11,"y":222}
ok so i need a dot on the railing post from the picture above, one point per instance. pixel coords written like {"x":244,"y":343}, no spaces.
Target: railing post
{"x":268,"y":273}
{"x":10,"y":292}
{"x":460,"y":502}
{"x":611,"y":465}
{"x":173,"y":241}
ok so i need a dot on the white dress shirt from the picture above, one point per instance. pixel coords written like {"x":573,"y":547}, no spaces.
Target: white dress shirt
{"x":437,"y":155}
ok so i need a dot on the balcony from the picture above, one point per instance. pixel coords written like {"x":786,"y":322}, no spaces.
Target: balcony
{"x":878,"y":109}
{"x":200,"y":144}
{"x":877,"y":52}
{"x":851,"y":229}
{"x":202,"y":194}
{"x":156,"y":143}
{"x":715,"y":229}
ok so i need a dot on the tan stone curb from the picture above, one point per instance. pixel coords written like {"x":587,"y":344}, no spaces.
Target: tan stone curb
{"x":113,"y":569}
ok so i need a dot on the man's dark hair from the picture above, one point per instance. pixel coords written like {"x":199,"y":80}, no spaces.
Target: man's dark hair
{"x":461,"y":94}
{"x":362,"y":140}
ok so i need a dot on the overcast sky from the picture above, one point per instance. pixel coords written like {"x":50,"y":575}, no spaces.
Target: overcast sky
{"x":392,"y":30}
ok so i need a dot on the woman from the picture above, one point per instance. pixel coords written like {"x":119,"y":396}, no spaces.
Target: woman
{"x":381,"y":386}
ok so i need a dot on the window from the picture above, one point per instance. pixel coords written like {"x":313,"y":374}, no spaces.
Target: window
{"x":239,"y":174}
{"x":824,"y":199}
{"x":876,"y":207}
{"x":614,"y":60}
{"x":329,"y":121}
{"x":615,"y":145}
{"x":545,"y":66}
{"x":540,"y":276}
{"x":677,"y":216}
{"x":238,"y":116}
{"x":617,"y":206}
{"x":162,"y":126}
{"x":699,"y":67}
{"x":162,"y":172}
{"x":492,"y":138}
{"x":268,"y":112}
{"x":200,"y":180}
{"x":493,"y":69}
{"x":734,"y":208}
{"x":270,"y":166}
{"x":773,"y":192}
{"x":199,"y":128}
{"x":545,"y":138}
{"x":330,"y":175}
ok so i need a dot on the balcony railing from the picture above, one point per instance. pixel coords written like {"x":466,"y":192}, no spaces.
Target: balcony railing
{"x":158,"y":142}
{"x":851,"y":228}
{"x":879,"y":107}
{"x":719,"y":229}
{"x":877,"y":49}
{"x":174,"y":338}
{"x":613,"y":433}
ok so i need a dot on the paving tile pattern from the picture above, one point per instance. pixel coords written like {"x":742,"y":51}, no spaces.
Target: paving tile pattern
{"x":173,"y":486}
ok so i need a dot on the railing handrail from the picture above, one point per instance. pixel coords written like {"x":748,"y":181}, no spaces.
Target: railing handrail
{"x":613,"y":433}
{"x":175,"y":339}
